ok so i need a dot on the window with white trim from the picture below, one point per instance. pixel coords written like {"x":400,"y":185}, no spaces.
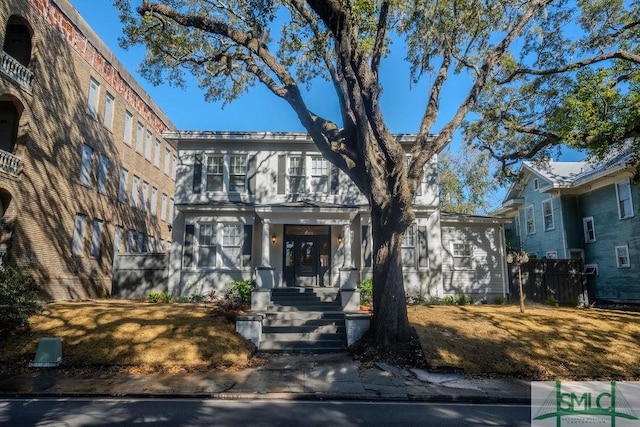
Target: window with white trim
{"x":297,"y":175}
{"x":122,"y":186}
{"x":140,"y":138}
{"x":207,"y":245}
{"x":589,"y":229}
{"x":319,"y":175}
{"x":171,"y":212}
{"x":128,"y":127}
{"x":622,"y":256}
{"x":148,"y":144}
{"x":85,"y":165}
{"x":237,"y":173}
{"x":214,"y":173}
{"x":529,"y":220}
{"x":167,"y":161}
{"x":625,"y":203}
{"x":103,"y":174}
{"x":145,"y":196}
{"x":154,"y":201}
{"x":77,"y":241}
{"x":96,"y":238}
{"x":547,"y":215}
{"x":163,"y":207}
{"x":135,"y":192}
{"x":131,"y":241}
{"x":461,"y":255}
{"x":409,"y":247}
{"x":231,"y":248}
{"x":174,"y":166}
{"x":109,"y":103}
{"x":156,"y":153}
{"x":94,"y":95}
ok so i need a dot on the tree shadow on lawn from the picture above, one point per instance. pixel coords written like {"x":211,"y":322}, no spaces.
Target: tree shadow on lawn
{"x":541,"y":344}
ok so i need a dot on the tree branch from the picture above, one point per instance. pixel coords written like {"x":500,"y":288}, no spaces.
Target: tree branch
{"x":380,"y":37}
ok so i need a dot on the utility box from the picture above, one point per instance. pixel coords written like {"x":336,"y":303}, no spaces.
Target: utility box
{"x":49,"y":353}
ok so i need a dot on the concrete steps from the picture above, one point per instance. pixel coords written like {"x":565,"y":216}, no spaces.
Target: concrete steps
{"x":304,"y":320}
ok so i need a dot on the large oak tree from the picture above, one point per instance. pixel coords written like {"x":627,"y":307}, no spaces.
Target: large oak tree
{"x":230,"y":45}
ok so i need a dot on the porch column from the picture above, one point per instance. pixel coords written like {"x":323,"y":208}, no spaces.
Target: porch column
{"x":346,"y":245}
{"x":266,"y":245}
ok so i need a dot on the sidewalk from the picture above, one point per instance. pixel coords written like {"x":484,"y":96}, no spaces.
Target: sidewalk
{"x":331,"y":376}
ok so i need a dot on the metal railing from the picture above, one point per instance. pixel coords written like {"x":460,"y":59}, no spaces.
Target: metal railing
{"x":9,"y":163}
{"x":18,"y":72}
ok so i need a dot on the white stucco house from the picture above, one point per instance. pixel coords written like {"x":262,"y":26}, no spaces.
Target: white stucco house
{"x":268,"y":207}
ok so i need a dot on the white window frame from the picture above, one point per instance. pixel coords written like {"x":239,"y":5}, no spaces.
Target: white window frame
{"x":300,"y":173}
{"x":85,"y":165}
{"x":109,"y":104}
{"x":585,"y":225}
{"x":237,"y":173}
{"x":174,"y":166}
{"x":139,"y":138}
{"x":156,"y":153}
{"x":167,"y":161}
{"x":163,"y":207}
{"x":622,"y":208}
{"x":171,"y":212}
{"x":154,"y":201}
{"x":409,"y":247}
{"x":77,"y":241}
{"x":103,"y":174}
{"x":122,"y":186}
{"x":148,"y":142}
{"x":622,"y":256}
{"x":96,"y":238}
{"x":145,"y":196}
{"x":214,"y":168}
{"x":231,"y":245}
{"x":462,"y":251}
{"x":319,"y":171}
{"x":530,"y":220}
{"x":135,"y":191}
{"x":93,"y":98}
{"x":207,"y":240}
{"x":128,"y":128}
{"x":552,"y":225}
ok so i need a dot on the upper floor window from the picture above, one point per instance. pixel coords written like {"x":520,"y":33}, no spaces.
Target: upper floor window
{"x":215,"y":173}
{"x":122,"y":186}
{"x":171,"y":213}
{"x":85,"y":164}
{"x":167,"y":161}
{"x":135,"y":191}
{"x":547,"y":214}
{"x":139,"y":138}
{"x":589,"y":229}
{"x":96,"y":238}
{"x":461,"y":255}
{"x":409,"y":247}
{"x":516,"y":224}
{"x":103,"y":173}
{"x":156,"y":153}
{"x":237,"y":173}
{"x":109,"y":103}
{"x":154,"y":201}
{"x":163,"y":207}
{"x":300,"y":173}
{"x":226,"y":172}
{"x":625,"y":203}
{"x":174,"y":166}
{"x":94,"y":94}
{"x":145,"y":196}
{"x":147,"y":146}
{"x":77,"y":242}
{"x":536,"y":184}
{"x":529,"y":220}
{"x":297,"y":174}
{"x":17,"y":40}
{"x":319,"y":175}
{"x":128,"y":127}
{"x":622,"y":256}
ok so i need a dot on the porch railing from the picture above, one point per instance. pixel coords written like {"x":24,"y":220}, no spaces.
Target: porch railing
{"x":9,"y":163}
{"x":18,"y":72}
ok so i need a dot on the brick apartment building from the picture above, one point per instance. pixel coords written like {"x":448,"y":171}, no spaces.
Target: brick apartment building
{"x":84,"y":170}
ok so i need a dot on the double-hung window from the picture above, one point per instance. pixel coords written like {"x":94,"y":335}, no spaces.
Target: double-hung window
{"x":461,"y":255}
{"x":122,"y":186}
{"x":622,"y":256}
{"x":409,"y":247}
{"x":156,"y":153}
{"x":163,"y":207}
{"x":128,"y":127}
{"x":237,"y":173}
{"x":131,"y":241}
{"x":154,"y":201}
{"x":547,"y":214}
{"x":529,"y":220}
{"x":167,"y":161}
{"x":215,"y":173}
{"x":135,"y":192}
{"x":319,"y":175}
{"x":94,"y":94}
{"x":147,"y":146}
{"x":145,"y":196}
{"x":207,"y":245}
{"x":103,"y":173}
{"x":85,"y":165}
{"x":96,"y":238}
{"x":625,"y":203}
{"x":231,"y":251}
{"x":589,"y":229}
{"x":297,"y":175}
{"x":77,"y":242}
{"x":140,"y":138}
{"x":109,"y":103}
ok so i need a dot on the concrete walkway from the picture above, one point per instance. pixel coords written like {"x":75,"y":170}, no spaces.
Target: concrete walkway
{"x":331,"y":376}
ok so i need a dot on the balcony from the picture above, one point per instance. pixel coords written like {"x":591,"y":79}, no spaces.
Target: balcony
{"x":16,"y":71}
{"x":9,"y":163}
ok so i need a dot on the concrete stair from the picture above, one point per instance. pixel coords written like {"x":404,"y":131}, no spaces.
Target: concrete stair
{"x":304,"y":320}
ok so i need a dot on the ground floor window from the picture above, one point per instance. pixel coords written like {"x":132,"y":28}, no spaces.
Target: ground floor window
{"x":409,"y":247}
{"x":622,"y":256}
{"x":461,"y":255}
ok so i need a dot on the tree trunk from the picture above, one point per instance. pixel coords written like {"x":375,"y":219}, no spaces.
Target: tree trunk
{"x":390,"y":323}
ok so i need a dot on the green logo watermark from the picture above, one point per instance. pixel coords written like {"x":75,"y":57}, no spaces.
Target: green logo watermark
{"x":584,"y":403}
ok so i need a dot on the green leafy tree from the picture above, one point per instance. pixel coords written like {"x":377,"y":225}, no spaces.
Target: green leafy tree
{"x":231,"y":45}
{"x":465,"y":181}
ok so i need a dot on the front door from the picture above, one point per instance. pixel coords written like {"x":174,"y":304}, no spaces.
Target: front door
{"x":306,"y":257}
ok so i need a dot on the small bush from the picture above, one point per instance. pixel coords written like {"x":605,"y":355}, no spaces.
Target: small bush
{"x":448,"y":300}
{"x":435,"y":301}
{"x":551,"y":301}
{"x":499,"y":300}
{"x":197,"y":298}
{"x":461,"y":299}
{"x":240,"y":290}
{"x":18,"y":298}
{"x":366,"y":291}
{"x":415,"y":299}
{"x":163,"y":297}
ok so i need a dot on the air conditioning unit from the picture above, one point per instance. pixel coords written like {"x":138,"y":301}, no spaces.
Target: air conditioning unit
{"x":591,"y":269}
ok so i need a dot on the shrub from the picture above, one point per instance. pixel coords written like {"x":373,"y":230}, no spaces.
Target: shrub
{"x":366,"y":291}
{"x":551,"y":301}
{"x":499,"y":300}
{"x":461,"y":299}
{"x":18,"y":298}
{"x":160,"y":297}
{"x":435,"y":300}
{"x":240,"y":290}
{"x":415,"y":299}
{"x":448,"y":300}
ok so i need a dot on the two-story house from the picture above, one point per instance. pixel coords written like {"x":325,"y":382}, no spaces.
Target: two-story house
{"x":84,"y":169}
{"x":581,"y":210}
{"x":268,"y":207}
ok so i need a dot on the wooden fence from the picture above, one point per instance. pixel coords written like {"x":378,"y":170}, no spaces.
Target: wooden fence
{"x":545,"y":280}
